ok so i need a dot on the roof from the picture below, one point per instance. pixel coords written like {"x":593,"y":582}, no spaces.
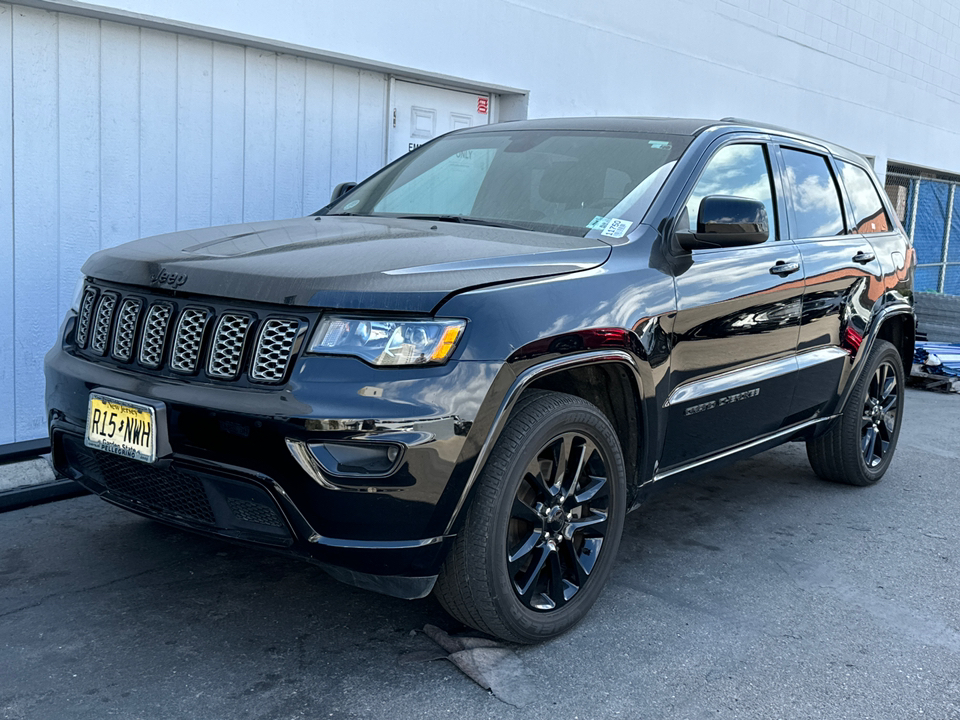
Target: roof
{"x":674,"y":126}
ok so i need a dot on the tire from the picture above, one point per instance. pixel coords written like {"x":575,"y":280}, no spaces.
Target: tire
{"x":859,"y":446}
{"x":561,"y":536}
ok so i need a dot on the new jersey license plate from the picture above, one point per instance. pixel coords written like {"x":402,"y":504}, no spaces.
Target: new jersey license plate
{"x":122,"y":427}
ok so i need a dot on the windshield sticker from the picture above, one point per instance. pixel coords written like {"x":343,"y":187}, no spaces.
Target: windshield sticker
{"x":598,"y":223}
{"x":660,"y":144}
{"x":351,"y":204}
{"x":616,"y":228}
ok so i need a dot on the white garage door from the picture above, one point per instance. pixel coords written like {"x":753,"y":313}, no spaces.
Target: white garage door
{"x":120,"y":132}
{"x":420,"y":113}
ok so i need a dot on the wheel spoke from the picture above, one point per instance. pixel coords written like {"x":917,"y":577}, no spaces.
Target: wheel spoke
{"x":522,"y":511}
{"x":597,"y":522}
{"x":525,"y":548}
{"x":557,"y":586}
{"x":891,"y":403}
{"x":596,"y":488}
{"x":889,"y":423}
{"x":574,"y":564}
{"x":534,"y":475}
{"x":880,"y":377}
{"x":869,"y":441}
{"x":889,"y":387}
{"x":587,"y":557}
{"x":533,"y":572}
{"x":582,"y":454}
{"x":561,"y":463}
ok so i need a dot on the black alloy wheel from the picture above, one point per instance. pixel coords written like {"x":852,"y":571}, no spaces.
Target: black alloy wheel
{"x":858,"y":447}
{"x":558,"y":522}
{"x":880,"y":410}
{"x":541,"y":535}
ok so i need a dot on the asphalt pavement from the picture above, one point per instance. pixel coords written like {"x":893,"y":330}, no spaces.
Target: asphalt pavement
{"x":753,"y":592}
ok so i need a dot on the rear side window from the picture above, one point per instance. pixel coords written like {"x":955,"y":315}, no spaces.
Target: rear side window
{"x":737,"y":170}
{"x":868,"y":213}
{"x":814,"y":196}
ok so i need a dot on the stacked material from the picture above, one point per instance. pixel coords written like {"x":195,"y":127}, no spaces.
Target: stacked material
{"x":938,"y":364}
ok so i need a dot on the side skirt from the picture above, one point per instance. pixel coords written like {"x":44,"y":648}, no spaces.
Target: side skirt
{"x":731,"y":455}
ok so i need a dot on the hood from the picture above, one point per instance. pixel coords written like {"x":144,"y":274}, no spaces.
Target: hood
{"x":357,"y":263}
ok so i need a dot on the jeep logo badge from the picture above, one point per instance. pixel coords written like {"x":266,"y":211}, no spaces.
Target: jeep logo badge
{"x":174,"y":280}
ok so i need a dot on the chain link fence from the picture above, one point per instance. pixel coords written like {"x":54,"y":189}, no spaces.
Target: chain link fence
{"x":927,"y":204}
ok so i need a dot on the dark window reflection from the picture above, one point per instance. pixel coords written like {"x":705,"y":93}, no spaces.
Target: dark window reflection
{"x":868,"y":212}
{"x":738,"y":171}
{"x":816,"y":201}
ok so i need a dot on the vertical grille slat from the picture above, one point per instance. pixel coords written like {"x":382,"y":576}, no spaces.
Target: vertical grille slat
{"x":274,"y":348}
{"x":155,"y":334}
{"x":126,"y":330}
{"x":103,"y":322}
{"x":188,"y":339}
{"x":86,"y":316}
{"x":226,"y":351}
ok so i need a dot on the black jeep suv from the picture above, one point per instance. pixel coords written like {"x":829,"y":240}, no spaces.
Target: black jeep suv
{"x":462,"y":373}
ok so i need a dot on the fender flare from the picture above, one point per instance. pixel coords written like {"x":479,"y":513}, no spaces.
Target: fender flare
{"x":866,"y":347}
{"x":521,"y":383}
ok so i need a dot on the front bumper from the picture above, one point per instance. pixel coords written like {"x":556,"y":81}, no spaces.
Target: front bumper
{"x":229,"y":471}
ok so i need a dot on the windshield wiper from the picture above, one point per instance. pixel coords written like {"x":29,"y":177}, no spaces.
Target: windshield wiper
{"x":465,"y":219}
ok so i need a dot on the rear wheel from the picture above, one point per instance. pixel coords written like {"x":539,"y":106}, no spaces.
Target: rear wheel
{"x":541,"y":536}
{"x":858,"y":449}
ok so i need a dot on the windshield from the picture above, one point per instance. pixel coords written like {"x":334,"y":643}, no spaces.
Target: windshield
{"x":554,"y":181}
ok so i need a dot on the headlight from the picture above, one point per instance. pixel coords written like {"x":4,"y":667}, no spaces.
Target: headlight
{"x":388,"y":342}
{"x":77,"y":294}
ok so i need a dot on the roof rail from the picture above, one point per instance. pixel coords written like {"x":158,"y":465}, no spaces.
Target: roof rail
{"x":760,"y":123}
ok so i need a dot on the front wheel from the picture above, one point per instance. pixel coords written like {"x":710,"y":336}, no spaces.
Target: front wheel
{"x":858,"y":448}
{"x":542,"y":533}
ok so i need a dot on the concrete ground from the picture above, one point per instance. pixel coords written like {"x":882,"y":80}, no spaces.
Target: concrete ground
{"x":26,"y":473}
{"x":754,"y":592}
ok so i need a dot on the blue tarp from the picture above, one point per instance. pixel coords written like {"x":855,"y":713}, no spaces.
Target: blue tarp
{"x":947,"y":354}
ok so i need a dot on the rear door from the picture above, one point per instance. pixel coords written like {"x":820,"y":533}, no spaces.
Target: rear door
{"x":419,"y":113}
{"x":842,"y":276}
{"x":733,"y":367}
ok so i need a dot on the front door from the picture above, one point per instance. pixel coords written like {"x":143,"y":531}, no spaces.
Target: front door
{"x":733,"y":365}
{"x":419,"y":113}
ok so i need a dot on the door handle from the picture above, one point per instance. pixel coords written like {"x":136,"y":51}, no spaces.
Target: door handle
{"x":864,"y":257}
{"x":784,"y":268}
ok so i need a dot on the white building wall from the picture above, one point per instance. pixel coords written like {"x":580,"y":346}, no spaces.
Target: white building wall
{"x":111,"y":132}
{"x":880,"y":76}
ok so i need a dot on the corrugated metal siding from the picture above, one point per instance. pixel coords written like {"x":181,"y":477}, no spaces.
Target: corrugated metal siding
{"x":120,"y":132}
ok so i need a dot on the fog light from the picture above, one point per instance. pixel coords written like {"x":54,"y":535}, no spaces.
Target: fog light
{"x":356,"y":459}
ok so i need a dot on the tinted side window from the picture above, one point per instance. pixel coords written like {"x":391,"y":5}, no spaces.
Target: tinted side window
{"x":868,"y":213}
{"x":737,"y":170}
{"x":814,"y":194}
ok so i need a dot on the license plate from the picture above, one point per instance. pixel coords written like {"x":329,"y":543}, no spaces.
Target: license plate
{"x":121,"y":427}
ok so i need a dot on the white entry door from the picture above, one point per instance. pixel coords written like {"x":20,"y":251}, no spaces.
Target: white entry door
{"x":419,"y":113}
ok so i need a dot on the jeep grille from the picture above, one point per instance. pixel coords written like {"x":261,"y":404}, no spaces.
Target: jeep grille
{"x":227,"y":347}
{"x":212,"y":342}
{"x":273,"y":349}
{"x":126,"y":328}
{"x":101,"y":326}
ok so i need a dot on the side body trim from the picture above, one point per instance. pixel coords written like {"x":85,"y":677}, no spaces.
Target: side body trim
{"x":753,"y":374}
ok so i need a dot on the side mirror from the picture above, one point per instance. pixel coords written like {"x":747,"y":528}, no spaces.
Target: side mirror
{"x":727,"y":222}
{"x":342,"y":189}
